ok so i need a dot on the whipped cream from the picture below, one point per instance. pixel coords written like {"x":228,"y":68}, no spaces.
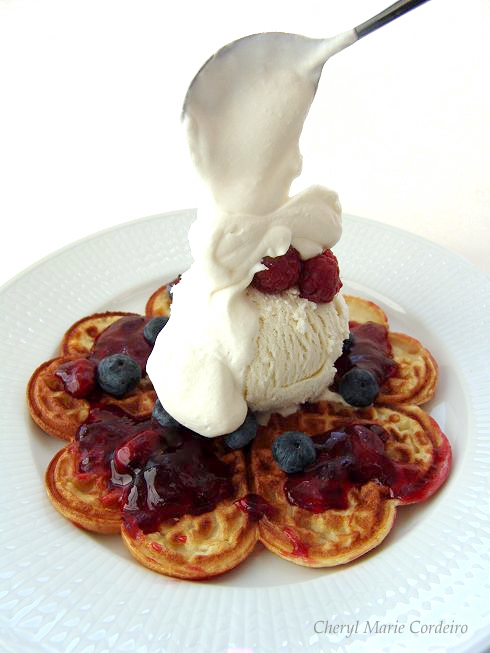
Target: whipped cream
{"x":243,"y":115}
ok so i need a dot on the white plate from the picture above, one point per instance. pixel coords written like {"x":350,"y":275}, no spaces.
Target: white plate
{"x":63,"y":589}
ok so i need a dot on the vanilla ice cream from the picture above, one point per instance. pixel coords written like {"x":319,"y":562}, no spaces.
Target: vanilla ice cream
{"x":297,"y":344}
{"x":225,"y":348}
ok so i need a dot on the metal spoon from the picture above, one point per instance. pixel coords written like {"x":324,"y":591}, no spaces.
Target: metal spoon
{"x":386,"y":16}
{"x":321,"y":49}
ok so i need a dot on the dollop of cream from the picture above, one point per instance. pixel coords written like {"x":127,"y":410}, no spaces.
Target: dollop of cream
{"x":243,"y":116}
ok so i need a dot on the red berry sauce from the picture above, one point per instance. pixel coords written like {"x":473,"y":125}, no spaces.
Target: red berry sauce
{"x":105,"y":430}
{"x":300,"y":548}
{"x":350,"y":457}
{"x":78,"y":376}
{"x":157,"y":473}
{"x":183,"y":477}
{"x":125,"y":336}
{"x":255,"y":506}
{"x":370,"y":350}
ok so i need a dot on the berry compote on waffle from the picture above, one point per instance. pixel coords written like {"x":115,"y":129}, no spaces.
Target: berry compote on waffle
{"x":191,"y":507}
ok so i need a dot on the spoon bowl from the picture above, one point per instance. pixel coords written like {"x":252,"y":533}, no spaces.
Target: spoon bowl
{"x":218,"y":65}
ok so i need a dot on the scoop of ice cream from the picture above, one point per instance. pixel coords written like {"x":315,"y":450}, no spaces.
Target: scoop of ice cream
{"x":297,"y":344}
{"x":200,"y":358}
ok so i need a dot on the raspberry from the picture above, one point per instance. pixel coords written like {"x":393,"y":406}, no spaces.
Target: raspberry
{"x":282,"y":272}
{"x":319,"y":280}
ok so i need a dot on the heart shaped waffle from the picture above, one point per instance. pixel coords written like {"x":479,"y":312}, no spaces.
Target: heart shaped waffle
{"x":159,"y":302}
{"x":415,"y":445}
{"x":199,"y":546}
{"x":85,"y":486}
{"x":416,"y":373}
{"x":58,"y":412}
{"x":84,"y":499}
{"x":100,"y":482}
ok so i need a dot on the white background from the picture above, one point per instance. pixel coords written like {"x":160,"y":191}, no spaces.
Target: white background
{"x":91,"y":92}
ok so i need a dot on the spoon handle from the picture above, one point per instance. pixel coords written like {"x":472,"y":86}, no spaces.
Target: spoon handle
{"x":387,"y":15}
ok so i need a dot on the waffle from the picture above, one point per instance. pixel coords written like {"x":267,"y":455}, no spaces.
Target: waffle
{"x":81,"y":336}
{"x":57,"y":412}
{"x":54,"y":410}
{"x":192,"y":547}
{"x":204,"y":545}
{"x":338,"y":536}
{"x":416,"y":376}
{"x":362,"y":310}
{"x":417,"y":373}
{"x":84,"y":499}
{"x":159,"y":303}
{"x":195,"y":547}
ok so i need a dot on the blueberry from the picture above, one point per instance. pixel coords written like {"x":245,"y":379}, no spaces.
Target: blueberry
{"x":293,"y":451}
{"x":348,"y":344}
{"x":163,"y":417}
{"x":153,"y":328}
{"x":243,"y":434}
{"x":358,"y":387}
{"x":118,"y":374}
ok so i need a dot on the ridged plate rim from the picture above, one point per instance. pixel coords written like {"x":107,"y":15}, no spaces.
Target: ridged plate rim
{"x":57,"y":591}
